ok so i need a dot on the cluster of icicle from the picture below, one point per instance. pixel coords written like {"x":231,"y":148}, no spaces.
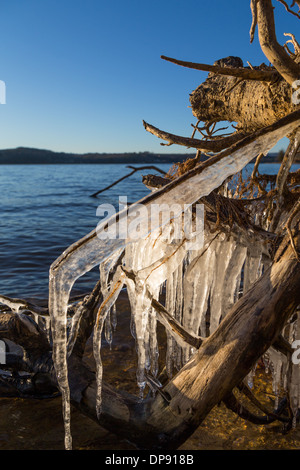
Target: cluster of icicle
{"x":196,"y":280}
{"x":200,"y":285}
{"x":285,"y":369}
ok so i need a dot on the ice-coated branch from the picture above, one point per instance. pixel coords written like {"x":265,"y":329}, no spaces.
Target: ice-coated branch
{"x":82,"y":322}
{"x":175,"y":328}
{"x":287,"y":161}
{"x":19,"y":305}
{"x":288,"y":225}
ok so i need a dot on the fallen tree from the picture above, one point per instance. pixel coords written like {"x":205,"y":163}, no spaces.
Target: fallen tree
{"x":225,"y":303}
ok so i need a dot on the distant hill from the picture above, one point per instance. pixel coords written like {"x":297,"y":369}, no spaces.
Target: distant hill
{"x":23,"y":155}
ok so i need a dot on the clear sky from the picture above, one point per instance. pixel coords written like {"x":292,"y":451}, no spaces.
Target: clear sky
{"x":81,"y":75}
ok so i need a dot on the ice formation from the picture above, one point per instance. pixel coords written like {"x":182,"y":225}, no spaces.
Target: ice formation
{"x":201,"y":283}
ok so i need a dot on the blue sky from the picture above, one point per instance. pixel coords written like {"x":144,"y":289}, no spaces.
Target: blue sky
{"x":81,"y":75}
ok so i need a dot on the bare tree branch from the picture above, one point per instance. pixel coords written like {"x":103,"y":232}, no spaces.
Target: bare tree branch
{"x":234,"y":405}
{"x":134,"y":170}
{"x":235,"y":140}
{"x":289,"y":9}
{"x":276,"y":53}
{"x":244,"y":73}
{"x":294,"y":42}
{"x":253,"y":6}
{"x":205,"y":145}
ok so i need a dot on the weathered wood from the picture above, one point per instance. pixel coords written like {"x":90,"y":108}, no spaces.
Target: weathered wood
{"x":276,"y":54}
{"x":250,"y":104}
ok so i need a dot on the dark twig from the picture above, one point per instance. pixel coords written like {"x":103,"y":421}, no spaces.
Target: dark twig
{"x":288,"y":8}
{"x":272,"y":415}
{"x":241,"y":72}
{"x":253,"y":7}
{"x":215,"y":145}
{"x":134,"y":170}
{"x":234,"y":405}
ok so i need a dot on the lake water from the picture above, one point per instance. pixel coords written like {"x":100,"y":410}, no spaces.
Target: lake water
{"x":45,"y":208}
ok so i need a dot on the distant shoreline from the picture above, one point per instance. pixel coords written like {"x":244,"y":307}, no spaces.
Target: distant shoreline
{"x":121,"y":163}
{"x":32,"y":156}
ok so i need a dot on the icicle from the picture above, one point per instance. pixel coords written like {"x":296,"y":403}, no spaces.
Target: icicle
{"x":278,"y":366}
{"x":163,"y":255}
{"x":229,"y":261}
{"x":74,"y":328}
{"x":252,"y":266}
{"x":140,"y":312}
{"x":153,"y":345}
{"x":178,"y":312}
{"x":293,"y":383}
{"x":112,"y":295}
{"x":114,"y":320}
{"x":47,"y":327}
{"x":143,"y":305}
{"x":174,"y":289}
{"x":253,"y":269}
{"x":106,"y":269}
{"x":170,"y":306}
{"x":96,"y":247}
{"x":250,"y":376}
{"x":198,"y":282}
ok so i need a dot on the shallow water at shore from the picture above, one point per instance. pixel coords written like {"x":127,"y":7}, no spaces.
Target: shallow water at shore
{"x":32,"y":424}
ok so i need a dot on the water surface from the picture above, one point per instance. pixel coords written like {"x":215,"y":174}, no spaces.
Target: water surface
{"x":45,"y":208}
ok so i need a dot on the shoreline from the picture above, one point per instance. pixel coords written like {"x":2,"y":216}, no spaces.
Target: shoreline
{"x":32,"y":156}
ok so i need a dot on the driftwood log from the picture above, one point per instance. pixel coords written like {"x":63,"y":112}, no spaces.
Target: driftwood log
{"x":254,"y":99}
